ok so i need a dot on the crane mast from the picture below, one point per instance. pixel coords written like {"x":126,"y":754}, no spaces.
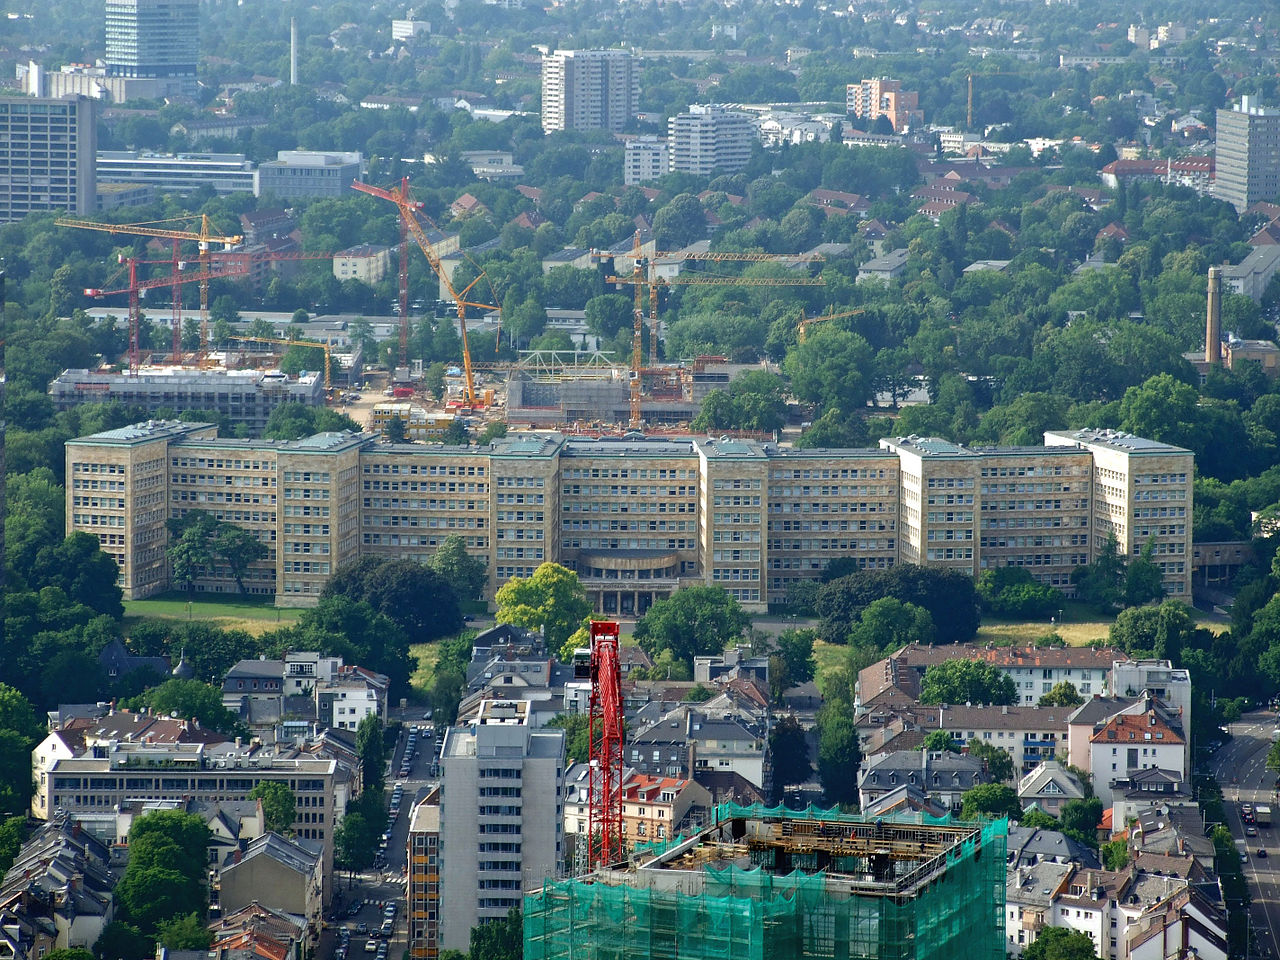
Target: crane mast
{"x":605,"y":728}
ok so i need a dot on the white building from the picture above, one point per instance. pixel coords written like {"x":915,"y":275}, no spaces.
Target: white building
{"x":1129,"y":742}
{"x":402,"y":30}
{"x":645,"y":159}
{"x":501,"y":816}
{"x":589,"y":89}
{"x":709,"y":139}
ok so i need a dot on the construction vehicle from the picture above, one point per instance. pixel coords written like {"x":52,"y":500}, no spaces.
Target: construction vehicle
{"x":642,"y":276}
{"x":328,"y":379}
{"x":204,"y":238}
{"x":802,"y":328}
{"x":410,"y":212}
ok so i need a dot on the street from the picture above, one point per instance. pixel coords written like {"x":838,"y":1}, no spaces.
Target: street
{"x":1240,"y":767}
{"x":372,"y":888}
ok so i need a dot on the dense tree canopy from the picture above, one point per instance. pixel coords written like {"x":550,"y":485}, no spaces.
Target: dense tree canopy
{"x":692,"y":622}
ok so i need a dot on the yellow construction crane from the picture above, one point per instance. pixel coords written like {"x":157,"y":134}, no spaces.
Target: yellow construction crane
{"x":328,"y":379}
{"x":802,"y":328}
{"x":204,"y":238}
{"x":642,"y":276}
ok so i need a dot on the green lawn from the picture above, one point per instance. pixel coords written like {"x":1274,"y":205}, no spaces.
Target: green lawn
{"x":425,"y":656}
{"x":253,"y":615}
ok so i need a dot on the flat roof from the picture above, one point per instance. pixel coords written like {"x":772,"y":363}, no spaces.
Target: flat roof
{"x":1113,"y":440}
{"x":144,"y":432}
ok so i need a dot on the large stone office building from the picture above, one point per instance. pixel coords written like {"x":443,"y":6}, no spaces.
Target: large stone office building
{"x":636,"y":518}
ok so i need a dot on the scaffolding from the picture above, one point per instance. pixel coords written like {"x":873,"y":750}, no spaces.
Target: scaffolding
{"x":762,"y":884}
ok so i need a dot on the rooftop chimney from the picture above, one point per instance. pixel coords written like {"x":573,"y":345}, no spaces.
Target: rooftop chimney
{"x":1213,"y":321}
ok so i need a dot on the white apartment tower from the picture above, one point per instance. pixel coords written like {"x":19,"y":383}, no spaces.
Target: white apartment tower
{"x":646,"y":159}
{"x":589,"y":89}
{"x":709,"y":139}
{"x":501,"y":816}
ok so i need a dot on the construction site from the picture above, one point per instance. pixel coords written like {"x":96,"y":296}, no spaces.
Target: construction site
{"x":574,"y":390}
{"x":777,"y":884}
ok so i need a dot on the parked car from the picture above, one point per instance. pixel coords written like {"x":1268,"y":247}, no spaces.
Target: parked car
{"x":362,"y":927}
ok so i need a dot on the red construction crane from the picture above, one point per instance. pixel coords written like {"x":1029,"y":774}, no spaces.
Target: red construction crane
{"x":604,"y":817}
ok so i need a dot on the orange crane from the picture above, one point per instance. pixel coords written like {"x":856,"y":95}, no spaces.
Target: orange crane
{"x":204,"y":238}
{"x":328,"y":381}
{"x":641,"y":276}
{"x":802,"y":327}
{"x":409,"y":218}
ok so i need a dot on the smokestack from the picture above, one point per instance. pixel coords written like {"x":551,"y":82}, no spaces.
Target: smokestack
{"x":1213,"y":321}
{"x":293,"y":51}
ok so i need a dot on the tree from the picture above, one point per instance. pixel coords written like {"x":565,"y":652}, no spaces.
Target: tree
{"x":939,"y":741}
{"x":1080,"y":820}
{"x":13,"y":831}
{"x":17,"y":714}
{"x":354,"y":842}
{"x":1100,"y":583}
{"x":990,"y":800}
{"x":413,"y":595}
{"x":999,"y":762}
{"x":681,"y":222}
{"x":838,"y":753}
{"x":831,"y":369}
{"x":1273,"y":757}
{"x":792,"y":662}
{"x":1063,"y":694}
{"x":395,"y":430}
{"x":1037,"y":819}
{"x":1163,"y":631}
{"x":371,"y":747}
{"x":789,"y":748}
{"x":191,"y":554}
{"x":279,"y":806}
{"x":1143,"y":579}
{"x":187,"y":932}
{"x":191,"y":700}
{"x":237,"y":548}
{"x":1060,"y":943}
{"x":69,"y":953}
{"x":1115,"y":854}
{"x":499,"y":939}
{"x":123,"y":941}
{"x":552,"y":599}
{"x":887,"y":624}
{"x":692,"y":622}
{"x":465,"y":574}
{"x":967,"y":681}
{"x":1014,"y":592}
{"x":577,"y":743}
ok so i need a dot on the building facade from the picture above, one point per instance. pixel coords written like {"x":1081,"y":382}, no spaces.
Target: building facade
{"x":589,"y":89}
{"x":1247,"y":154}
{"x":882,"y":97}
{"x":709,"y":139}
{"x":48,"y":150}
{"x":645,"y":159}
{"x":501,"y":816}
{"x":227,"y":173}
{"x":367,"y":262}
{"x":245,"y":397}
{"x":154,"y":39}
{"x":636,"y":519}
{"x":423,"y":912}
{"x":301,"y":174}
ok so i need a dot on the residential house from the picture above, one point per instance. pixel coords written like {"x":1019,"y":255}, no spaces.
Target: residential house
{"x":945,"y":776}
{"x":886,"y":268}
{"x":1028,"y":846}
{"x":286,"y":872}
{"x":1128,"y":743}
{"x":1049,"y":786}
{"x":258,"y":932}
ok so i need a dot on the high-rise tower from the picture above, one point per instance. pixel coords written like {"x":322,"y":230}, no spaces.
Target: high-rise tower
{"x":589,"y":89}
{"x":1247,"y":154}
{"x":153,"y":39}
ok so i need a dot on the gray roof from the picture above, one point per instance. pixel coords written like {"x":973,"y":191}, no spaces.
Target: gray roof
{"x":953,"y":770}
{"x":1035,"y":885}
{"x":301,"y":856}
{"x":1100,"y":709}
{"x":1031,"y":845}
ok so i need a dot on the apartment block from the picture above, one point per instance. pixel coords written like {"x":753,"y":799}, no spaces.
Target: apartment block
{"x":589,"y":89}
{"x":882,"y":97}
{"x":153,"y":38}
{"x":1142,"y":494}
{"x":709,"y":138}
{"x":123,"y":772}
{"x":424,"y":879}
{"x":635,"y":518}
{"x":501,"y":816}
{"x":1247,"y":154}
{"x":645,"y":159}
{"x":366,"y":262}
{"x":48,"y":148}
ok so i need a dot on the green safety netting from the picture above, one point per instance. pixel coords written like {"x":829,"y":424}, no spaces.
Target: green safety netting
{"x":752,"y":914}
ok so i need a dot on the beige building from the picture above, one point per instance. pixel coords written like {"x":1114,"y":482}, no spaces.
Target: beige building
{"x":277,"y":870}
{"x":636,"y":518}
{"x":366,"y":262}
{"x":424,"y":879}
{"x":1142,"y":494}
